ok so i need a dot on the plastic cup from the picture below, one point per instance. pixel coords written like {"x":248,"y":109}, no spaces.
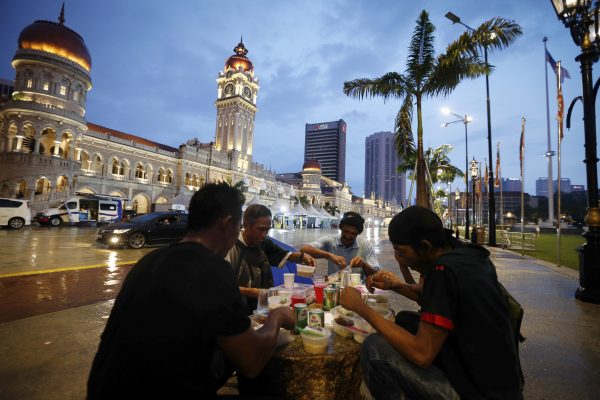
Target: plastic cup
{"x":320,"y":284}
{"x":288,"y":280}
{"x":354,"y":280}
{"x":263,"y":301}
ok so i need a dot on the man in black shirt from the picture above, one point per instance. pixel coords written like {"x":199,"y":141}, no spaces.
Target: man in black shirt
{"x":464,"y":346}
{"x":178,"y":306}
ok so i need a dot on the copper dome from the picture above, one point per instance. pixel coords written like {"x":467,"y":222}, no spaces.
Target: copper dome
{"x":55,"y":38}
{"x":312,"y":165}
{"x":239,"y":59}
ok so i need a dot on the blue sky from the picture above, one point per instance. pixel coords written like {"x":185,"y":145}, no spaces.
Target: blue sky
{"x":154,"y":66}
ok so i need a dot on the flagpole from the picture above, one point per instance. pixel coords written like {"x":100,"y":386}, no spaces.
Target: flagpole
{"x":522,"y":151}
{"x":560,"y":132}
{"x":549,"y":152}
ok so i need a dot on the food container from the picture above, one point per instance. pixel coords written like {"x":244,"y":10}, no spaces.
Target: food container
{"x":279,"y":301}
{"x":305,"y":271}
{"x":315,"y":340}
{"x":341,"y":330}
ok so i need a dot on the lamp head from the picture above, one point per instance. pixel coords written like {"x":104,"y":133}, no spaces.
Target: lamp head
{"x":453,"y":17}
{"x":445,"y":111}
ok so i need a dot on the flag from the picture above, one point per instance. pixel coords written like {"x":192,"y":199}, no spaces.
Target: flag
{"x":522,"y":146}
{"x":560,"y":112}
{"x":497,"y":178}
{"x":563,"y":71}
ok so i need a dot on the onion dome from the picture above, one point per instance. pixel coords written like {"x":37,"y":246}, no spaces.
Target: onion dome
{"x":57,"y":39}
{"x":312,"y":165}
{"x":239,"y":59}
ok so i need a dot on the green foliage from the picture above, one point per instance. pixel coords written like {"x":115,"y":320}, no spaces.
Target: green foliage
{"x":330,"y":208}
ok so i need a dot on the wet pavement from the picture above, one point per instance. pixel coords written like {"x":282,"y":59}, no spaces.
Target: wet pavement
{"x":46,"y":353}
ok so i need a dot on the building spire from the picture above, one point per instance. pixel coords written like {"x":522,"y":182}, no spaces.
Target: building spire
{"x":61,"y":17}
{"x":240,"y":48}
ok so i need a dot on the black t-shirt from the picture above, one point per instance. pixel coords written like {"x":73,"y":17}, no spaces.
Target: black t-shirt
{"x":461,"y":295}
{"x":161,"y":334}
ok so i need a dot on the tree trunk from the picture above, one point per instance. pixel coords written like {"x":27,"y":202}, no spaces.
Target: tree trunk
{"x":422,"y":198}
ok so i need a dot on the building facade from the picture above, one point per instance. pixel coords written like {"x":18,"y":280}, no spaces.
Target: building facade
{"x":326,"y":142}
{"x":541,"y":186}
{"x":381,"y":169}
{"x":49,"y":151}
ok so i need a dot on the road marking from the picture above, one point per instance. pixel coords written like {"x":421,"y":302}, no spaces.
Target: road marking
{"x":49,"y":271}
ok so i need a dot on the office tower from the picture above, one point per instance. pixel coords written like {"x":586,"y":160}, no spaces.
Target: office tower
{"x":381,"y":163}
{"x":326,"y":142}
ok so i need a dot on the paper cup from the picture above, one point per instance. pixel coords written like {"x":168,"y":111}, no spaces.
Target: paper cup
{"x":354,"y":280}
{"x":288,"y":280}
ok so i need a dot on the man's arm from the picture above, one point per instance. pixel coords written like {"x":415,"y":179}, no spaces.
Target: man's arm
{"x":388,"y":281}
{"x":251,"y":350}
{"x":319,"y":249}
{"x":249,"y":292}
{"x":420,"y":349}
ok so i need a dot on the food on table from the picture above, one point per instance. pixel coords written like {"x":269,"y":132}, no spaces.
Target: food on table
{"x":344,"y":321}
{"x":315,"y":339}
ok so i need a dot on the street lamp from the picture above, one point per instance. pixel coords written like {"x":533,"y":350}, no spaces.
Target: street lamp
{"x":581,"y":17}
{"x":474,"y":173}
{"x":456,"y":200}
{"x":465,"y":120}
{"x":491,"y":197}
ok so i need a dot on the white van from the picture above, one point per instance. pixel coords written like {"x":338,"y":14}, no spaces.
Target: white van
{"x":83,"y":208}
{"x":14,"y":213}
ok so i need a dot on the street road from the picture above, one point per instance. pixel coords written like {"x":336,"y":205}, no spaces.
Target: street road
{"x":44,"y":269}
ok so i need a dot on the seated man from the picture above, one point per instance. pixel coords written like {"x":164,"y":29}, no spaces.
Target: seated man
{"x":463,"y":345}
{"x":346,"y":250}
{"x":254,"y":253}
{"x":180,"y":310}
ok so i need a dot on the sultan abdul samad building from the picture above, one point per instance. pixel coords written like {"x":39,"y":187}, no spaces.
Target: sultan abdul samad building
{"x":49,"y":151}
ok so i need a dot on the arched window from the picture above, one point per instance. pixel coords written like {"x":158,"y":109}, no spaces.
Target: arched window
{"x":161,"y":175}
{"x":97,"y":163}
{"x":139,"y":171}
{"x":116,"y":166}
{"x":169,"y":176}
{"x":195,"y":182}
{"x":188,"y":180}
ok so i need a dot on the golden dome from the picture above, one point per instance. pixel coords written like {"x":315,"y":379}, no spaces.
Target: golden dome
{"x":312,"y":165}
{"x":239,"y":59}
{"x":57,"y":39}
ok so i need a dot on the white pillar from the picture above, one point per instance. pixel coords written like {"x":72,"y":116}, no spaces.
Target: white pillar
{"x":19,"y":143}
{"x":77,"y":153}
{"x":9,"y":143}
{"x":56,"y":148}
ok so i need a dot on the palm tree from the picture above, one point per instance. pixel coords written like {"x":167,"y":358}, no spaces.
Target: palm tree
{"x":428,"y":76}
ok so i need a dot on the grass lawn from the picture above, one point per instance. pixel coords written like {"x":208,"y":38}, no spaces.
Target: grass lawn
{"x":545,"y":248}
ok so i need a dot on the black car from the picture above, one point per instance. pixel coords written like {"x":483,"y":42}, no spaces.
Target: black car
{"x":153,"y":228}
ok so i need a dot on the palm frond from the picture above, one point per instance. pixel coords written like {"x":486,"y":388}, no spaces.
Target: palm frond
{"x":421,"y":51}
{"x":497,"y":33}
{"x":391,"y":85}
{"x":405,"y":143}
{"x":448,"y":73}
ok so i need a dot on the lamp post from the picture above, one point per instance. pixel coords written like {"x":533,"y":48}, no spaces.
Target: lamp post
{"x":581,"y":17}
{"x":491,"y":197}
{"x":465,"y":120}
{"x":474,"y":173}
{"x":456,"y":200}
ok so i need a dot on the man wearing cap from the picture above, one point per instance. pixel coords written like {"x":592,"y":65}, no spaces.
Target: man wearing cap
{"x":462,"y":344}
{"x":346,"y":250}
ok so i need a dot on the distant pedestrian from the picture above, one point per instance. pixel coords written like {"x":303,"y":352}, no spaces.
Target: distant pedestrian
{"x":179,"y":313}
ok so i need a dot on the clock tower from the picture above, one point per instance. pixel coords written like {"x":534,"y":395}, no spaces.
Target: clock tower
{"x":237,"y":89}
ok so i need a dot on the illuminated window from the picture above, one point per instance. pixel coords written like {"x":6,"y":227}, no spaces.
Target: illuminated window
{"x":63,"y":90}
{"x":46,"y":86}
{"x":76,"y":96}
{"x":29,"y":83}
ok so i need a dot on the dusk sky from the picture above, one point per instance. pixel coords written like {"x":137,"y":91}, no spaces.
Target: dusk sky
{"x":154,"y":65}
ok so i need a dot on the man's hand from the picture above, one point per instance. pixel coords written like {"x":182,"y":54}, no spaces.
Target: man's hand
{"x":382,"y":280}
{"x":307,"y":259}
{"x":351,"y":299}
{"x":338,"y":260}
{"x":357,"y":262}
{"x":285,"y":316}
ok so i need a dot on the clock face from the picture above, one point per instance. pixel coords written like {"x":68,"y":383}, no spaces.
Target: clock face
{"x":228,"y":89}
{"x":247,"y":92}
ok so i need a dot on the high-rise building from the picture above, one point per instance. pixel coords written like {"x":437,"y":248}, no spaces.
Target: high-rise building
{"x":381,"y":162}
{"x":326,"y":142}
{"x":6,"y":89}
{"x":541,"y":186}
{"x":509,"y":185}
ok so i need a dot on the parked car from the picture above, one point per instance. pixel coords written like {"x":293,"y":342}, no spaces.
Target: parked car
{"x":84,"y":208}
{"x":153,"y":228}
{"x":14,"y":213}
